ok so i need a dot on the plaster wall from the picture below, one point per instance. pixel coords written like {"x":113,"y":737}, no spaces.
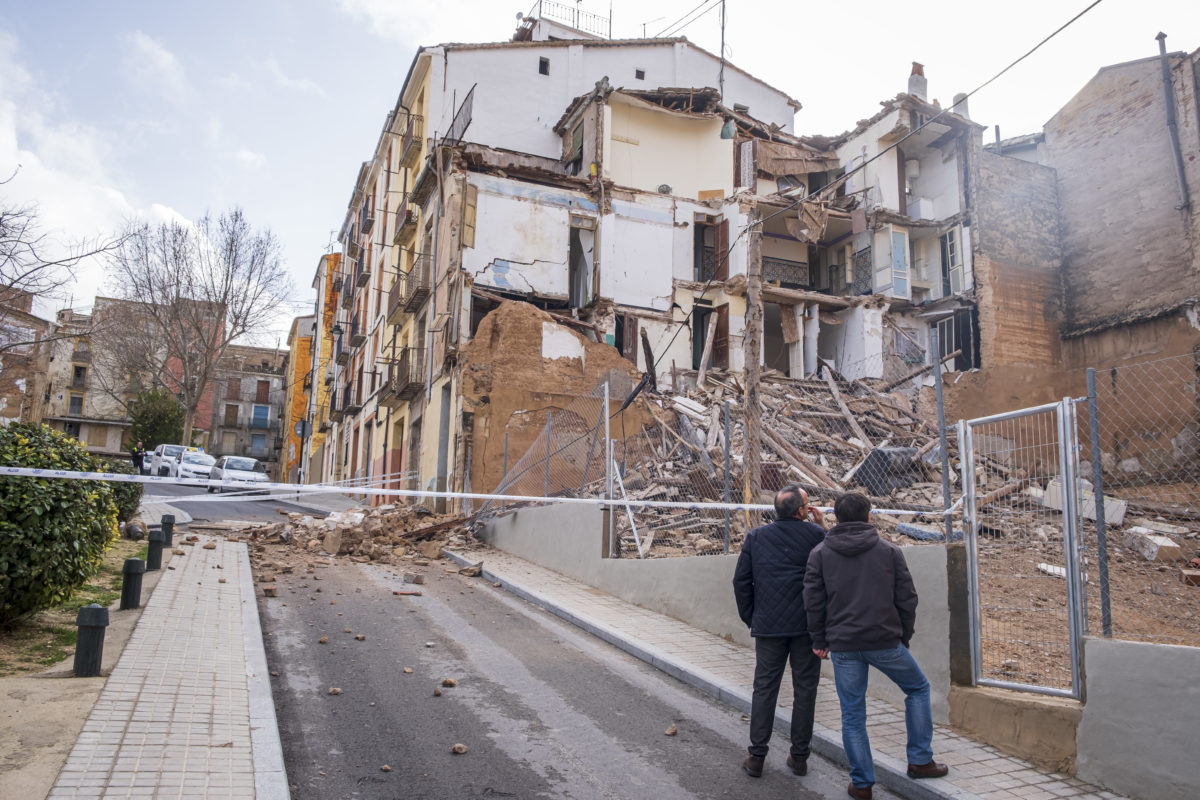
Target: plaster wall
{"x":1137,"y":735}
{"x":698,"y":590}
{"x":651,"y":147}
{"x":938,"y":182}
{"x":881,"y":175}
{"x":637,"y":244}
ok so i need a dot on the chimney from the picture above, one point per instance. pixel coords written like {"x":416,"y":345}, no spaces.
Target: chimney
{"x":917,"y":85}
{"x":960,"y":105}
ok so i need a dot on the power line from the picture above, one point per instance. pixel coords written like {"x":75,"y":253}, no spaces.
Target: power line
{"x":697,"y":18}
{"x":681,"y":19}
{"x":724,"y":259}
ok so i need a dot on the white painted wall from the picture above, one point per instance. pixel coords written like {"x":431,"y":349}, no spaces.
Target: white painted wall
{"x":516,"y":108}
{"x":636,"y":243}
{"x":880,"y":175}
{"x":939,"y":183}
{"x":650,"y":147}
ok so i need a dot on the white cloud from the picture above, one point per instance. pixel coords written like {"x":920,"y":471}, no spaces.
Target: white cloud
{"x":430,"y":23}
{"x":288,"y":82}
{"x":250,"y":158}
{"x":152,"y":67}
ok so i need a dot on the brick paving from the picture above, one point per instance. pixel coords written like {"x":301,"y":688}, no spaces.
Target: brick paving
{"x":187,"y":711}
{"x":726,"y":669}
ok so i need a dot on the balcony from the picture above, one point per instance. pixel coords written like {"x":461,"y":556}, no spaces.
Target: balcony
{"x":405,"y":378}
{"x":340,"y":354}
{"x":352,"y":248}
{"x":358,"y":336}
{"x":82,"y":357}
{"x":413,"y":140}
{"x":395,"y":304}
{"x":406,"y":220}
{"x":336,"y":411}
{"x":416,"y":284}
{"x":362,"y":275}
{"x":351,"y":400}
{"x":78,"y":384}
{"x":366,"y":220}
{"x":348,"y":291}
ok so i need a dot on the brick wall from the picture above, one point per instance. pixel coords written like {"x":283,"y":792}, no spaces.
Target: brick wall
{"x":1126,"y":247}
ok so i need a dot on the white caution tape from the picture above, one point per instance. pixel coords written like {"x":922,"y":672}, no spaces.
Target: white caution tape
{"x":264,"y":490}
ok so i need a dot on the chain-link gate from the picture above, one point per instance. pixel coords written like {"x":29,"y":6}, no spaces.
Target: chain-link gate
{"x":1020,"y":504}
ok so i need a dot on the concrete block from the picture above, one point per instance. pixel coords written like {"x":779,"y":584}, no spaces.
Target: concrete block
{"x":1191,"y":577}
{"x":1152,"y":546}
{"x":1114,"y":509}
{"x":1162,"y":527}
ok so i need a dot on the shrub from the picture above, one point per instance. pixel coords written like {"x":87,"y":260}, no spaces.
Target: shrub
{"x":127,"y":496}
{"x":53,"y":532}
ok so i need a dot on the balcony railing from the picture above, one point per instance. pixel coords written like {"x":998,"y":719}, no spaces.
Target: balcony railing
{"x":362,"y":273}
{"x":82,"y":356}
{"x":259,"y":424}
{"x":357,"y":335}
{"x":351,"y":399}
{"x":366,"y":220}
{"x":395,"y":304}
{"x":462,"y":119}
{"x":336,"y":411}
{"x":406,"y":219}
{"x":414,"y":134}
{"x":79,"y":384}
{"x":348,"y":290}
{"x":340,"y":354}
{"x":416,"y":284}
{"x":405,"y":378}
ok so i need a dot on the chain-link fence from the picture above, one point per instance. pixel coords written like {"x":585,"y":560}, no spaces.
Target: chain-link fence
{"x":1142,"y":579}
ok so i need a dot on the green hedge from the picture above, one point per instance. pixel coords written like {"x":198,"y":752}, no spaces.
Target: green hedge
{"x":53,"y":532}
{"x":127,"y":496}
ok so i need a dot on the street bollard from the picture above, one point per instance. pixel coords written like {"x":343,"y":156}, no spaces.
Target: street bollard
{"x":168,"y":529}
{"x":154,"y":554}
{"x":131,"y":583}
{"x":89,"y":644}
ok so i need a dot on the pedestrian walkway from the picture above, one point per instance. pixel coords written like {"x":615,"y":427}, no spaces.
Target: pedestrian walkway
{"x":725,"y":670}
{"x":152,"y":509}
{"x":187,"y":711}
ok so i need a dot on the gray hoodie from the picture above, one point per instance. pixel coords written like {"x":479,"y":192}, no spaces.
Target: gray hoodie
{"x":858,"y":592}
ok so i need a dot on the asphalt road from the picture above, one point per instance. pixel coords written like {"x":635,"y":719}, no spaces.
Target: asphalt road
{"x":545,"y":710}
{"x":215,"y":507}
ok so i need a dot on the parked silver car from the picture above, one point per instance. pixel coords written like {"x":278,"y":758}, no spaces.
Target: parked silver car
{"x":238,"y":469}
{"x":190,"y":464}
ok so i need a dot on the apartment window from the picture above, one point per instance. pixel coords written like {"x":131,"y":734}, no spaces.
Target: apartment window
{"x":75,"y":405}
{"x":626,"y":336}
{"x":960,"y":332}
{"x":231,"y":415}
{"x":575,"y":154}
{"x":258,"y":445}
{"x":544,"y":66}
{"x":640,"y":74}
{"x":580,"y":260}
{"x":709,"y":247}
{"x":72,"y":429}
{"x":260,"y":416}
{"x":262,"y":393}
{"x":78,"y":377}
{"x":233,"y":389}
{"x":702,"y":312}
{"x":891,"y":262}
{"x":952,"y":263}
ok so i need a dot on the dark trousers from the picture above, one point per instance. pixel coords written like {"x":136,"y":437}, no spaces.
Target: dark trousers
{"x":772,"y":655}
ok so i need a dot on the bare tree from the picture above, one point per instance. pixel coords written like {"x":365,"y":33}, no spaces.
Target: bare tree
{"x":197,"y":289}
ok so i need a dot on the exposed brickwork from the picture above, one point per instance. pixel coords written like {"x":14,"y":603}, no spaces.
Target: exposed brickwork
{"x":1127,"y":249}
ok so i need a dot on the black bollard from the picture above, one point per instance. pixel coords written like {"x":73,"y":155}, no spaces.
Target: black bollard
{"x":89,"y":645}
{"x":168,"y":529}
{"x":154,"y":554}
{"x":131,"y":583}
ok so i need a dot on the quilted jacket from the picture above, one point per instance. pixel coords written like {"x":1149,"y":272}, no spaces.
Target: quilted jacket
{"x":768,"y":581}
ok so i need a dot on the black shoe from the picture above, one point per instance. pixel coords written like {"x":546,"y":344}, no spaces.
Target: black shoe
{"x":930,"y":770}
{"x":798,"y":765}
{"x":753,"y":765}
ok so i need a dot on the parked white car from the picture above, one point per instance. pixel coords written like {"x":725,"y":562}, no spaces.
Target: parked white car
{"x":164,"y":454}
{"x":190,"y":464}
{"x":238,"y":469}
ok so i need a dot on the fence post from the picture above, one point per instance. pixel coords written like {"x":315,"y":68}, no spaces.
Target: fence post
{"x":131,"y":583}
{"x":89,"y":643}
{"x":1075,"y":590}
{"x":546,"y":487}
{"x":1098,"y":490}
{"x":504,"y":478}
{"x":467,"y":485}
{"x":726,"y":476}
{"x":608,"y":479}
{"x":942,"y":439}
{"x":154,"y":550}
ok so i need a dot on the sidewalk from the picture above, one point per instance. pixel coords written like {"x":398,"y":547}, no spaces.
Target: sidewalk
{"x":187,"y":712}
{"x":725,"y":671}
{"x":152,"y":513}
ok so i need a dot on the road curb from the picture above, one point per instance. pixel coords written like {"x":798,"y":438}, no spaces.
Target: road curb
{"x":889,"y":772}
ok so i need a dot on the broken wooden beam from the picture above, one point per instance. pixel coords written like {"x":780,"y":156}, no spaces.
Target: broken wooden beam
{"x":887,"y":387}
{"x":837,"y":397}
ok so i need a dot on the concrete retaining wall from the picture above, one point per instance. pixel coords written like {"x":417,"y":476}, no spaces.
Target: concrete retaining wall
{"x":698,"y":590}
{"x":1138,"y":732}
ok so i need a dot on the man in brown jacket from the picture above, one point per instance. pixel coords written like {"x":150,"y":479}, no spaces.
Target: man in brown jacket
{"x":862,"y":608}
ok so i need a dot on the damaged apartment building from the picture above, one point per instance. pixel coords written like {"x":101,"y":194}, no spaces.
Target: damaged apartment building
{"x":635,"y":192}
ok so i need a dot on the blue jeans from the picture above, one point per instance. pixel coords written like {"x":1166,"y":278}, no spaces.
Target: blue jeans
{"x":850,"y":676}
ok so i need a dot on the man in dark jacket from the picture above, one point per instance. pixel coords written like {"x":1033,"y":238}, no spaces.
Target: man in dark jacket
{"x":862,"y":608}
{"x":768,"y":584}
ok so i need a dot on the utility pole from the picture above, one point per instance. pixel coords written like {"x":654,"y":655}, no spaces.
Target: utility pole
{"x":752,"y":352}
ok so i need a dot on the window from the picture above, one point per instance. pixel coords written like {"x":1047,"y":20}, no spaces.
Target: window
{"x":233,"y":389}
{"x":640,"y":74}
{"x":702,"y":312}
{"x":231,"y":415}
{"x":575,"y":154}
{"x":891,"y":262}
{"x":258,"y":445}
{"x":544,"y":66}
{"x":580,"y":260}
{"x":262,"y":392}
{"x":75,"y":405}
{"x":952,"y":263}
{"x":260,"y":416}
{"x":960,"y":332}
{"x":78,"y":377}
{"x":709,"y":247}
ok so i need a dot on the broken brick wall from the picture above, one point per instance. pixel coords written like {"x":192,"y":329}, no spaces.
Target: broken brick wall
{"x":521,"y":364}
{"x":1126,"y":247}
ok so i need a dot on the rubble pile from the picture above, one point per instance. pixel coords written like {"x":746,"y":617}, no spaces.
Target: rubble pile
{"x":826,"y":436}
{"x":388,"y":534}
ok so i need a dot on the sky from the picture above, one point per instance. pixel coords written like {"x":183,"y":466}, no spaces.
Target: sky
{"x":124,"y":110}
